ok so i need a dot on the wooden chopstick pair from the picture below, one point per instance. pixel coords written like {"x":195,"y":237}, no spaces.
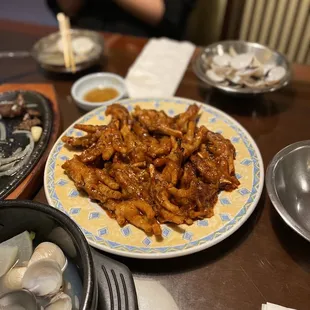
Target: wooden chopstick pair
{"x":64,"y":28}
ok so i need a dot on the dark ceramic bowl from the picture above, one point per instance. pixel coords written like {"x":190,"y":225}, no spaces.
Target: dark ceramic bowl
{"x":107,"y":284}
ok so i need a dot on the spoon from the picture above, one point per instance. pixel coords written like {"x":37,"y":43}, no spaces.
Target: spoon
{"x":18,"y":300}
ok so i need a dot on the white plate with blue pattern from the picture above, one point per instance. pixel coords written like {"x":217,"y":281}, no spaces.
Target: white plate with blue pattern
{"x":102,"y":232}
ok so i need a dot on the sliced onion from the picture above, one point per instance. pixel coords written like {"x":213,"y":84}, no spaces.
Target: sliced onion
{"x":31,"y":105}
{"x":6,"y":166}
{"x":18,"y":154}
{"x":2,"y":132}
{"x":28,"y":150}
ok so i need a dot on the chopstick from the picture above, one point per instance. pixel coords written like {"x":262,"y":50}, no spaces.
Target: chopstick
{"x":64,"y":28}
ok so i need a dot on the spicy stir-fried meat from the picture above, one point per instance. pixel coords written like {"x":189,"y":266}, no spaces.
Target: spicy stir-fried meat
{"x":146,"y":168}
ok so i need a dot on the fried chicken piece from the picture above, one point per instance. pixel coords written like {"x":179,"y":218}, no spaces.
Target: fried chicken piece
{"x":90,"y":128}
{"x":207,"y":168}
{"x":193,"y":144}
{"x":131,"y":183}
{"x":168,"y":217}
{"x":84,"y":178}
{"x":189,"y":193}
{"x":156,"y":121}
{"x":137,"y":212}
{"x":189,"y":174}
{"x":83,"y":142}
{"x":221,"y":147}
{"x":104,"y":177}
{"x":108,"y":192}
{"x":182,"y":120}
{"x":103,"y":148}
{"x":119,"y":112}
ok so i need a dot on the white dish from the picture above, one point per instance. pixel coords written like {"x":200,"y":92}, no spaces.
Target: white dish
{"x":95,"y":80}
{"x":102,"y":232}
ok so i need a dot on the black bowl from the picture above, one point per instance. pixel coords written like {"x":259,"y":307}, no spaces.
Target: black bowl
{"x":116,"y":287}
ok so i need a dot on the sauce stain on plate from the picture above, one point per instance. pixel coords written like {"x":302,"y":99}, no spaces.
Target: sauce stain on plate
{"x":101,"y":94}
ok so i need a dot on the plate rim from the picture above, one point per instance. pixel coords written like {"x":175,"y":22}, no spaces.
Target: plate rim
{"x":193,"y":249}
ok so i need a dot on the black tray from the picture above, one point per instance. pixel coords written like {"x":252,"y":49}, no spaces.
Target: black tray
{"x":9,"y":183}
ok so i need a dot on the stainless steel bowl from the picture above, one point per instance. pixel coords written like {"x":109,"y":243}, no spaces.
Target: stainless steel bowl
{"x":45,"y":52}
{"x":288,"y":186}
{"x":262,"y":53}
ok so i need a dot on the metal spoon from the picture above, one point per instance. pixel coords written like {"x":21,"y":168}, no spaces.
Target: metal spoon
{"x":19,"y":300}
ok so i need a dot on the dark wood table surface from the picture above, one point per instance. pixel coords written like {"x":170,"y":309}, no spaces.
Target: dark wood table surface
{"x":264,"y":260}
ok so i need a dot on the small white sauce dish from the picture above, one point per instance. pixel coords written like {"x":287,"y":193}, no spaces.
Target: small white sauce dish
{"x":97,"y":80}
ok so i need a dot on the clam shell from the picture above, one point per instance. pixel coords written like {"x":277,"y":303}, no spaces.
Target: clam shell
{"x":214,"y":77}
{"x":12,"y":280}
{"x":267,"y":68}
{"x":222,"y":60}
{"x":242,"y":61}
{"x":247,"y":72}
{"x":60,"y":302}
{"x":51,"y":251}
{"x":222,"y":71}
{"x":275,"y":75}
{"x":254,"y":83}
{"x":43,"y":277}
{"x":232,"y":52}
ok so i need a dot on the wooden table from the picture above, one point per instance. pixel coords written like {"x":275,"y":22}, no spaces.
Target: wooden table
{"x":264,"y":260}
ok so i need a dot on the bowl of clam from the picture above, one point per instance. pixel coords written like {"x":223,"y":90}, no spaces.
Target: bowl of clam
{"x":46,"y":263}
{"x":240,"y":67}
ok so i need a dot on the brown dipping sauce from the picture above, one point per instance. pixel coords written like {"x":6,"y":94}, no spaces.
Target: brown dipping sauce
{"x":101,"y":94}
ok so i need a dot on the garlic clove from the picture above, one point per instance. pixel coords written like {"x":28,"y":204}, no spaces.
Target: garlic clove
{"x":36,"y":132}
{"x":43,"y":278}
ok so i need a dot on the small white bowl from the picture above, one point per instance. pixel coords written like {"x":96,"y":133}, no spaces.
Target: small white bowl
{"x":95,"y":80}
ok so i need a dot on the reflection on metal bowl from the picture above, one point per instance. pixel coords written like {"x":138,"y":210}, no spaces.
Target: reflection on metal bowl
{"x":49,"y":56}
{"x":288,"y":186}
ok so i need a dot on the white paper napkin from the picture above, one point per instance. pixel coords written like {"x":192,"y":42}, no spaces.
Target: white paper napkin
{"x":158,"y":70}
{"x":153,"y":296}
{"x":270,"y":306}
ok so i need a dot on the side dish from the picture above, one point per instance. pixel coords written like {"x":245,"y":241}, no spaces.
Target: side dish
{"x":146,"y":168}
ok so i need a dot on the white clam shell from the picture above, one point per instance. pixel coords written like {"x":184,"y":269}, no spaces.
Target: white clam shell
{"x":247,"y":72}
{"x":214,"y":77}
{"x":82,"y":45}
{"x":232,"y":52}
{"x":60,"y":302}
{"x":275,"y":75}
{"x":242,"y":61}
{"x":267,"y":68}
{"x":12,"y":280}
{"x":222,"y":71}
{"x":222,"y":60}
{"x":43,"y":277}
{"x":256,"y":62}
{"x":235,"y":79}
{"x":254,"y":84}
{"x":51,"y":251}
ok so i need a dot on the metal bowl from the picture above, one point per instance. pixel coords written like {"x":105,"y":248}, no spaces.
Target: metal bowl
{"x":262,"y":53}
{"x":288,"y":186}
{"x":45,"y":52}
